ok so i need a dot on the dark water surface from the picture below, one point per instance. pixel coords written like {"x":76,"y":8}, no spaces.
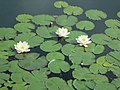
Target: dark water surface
{"x":9,"y":9}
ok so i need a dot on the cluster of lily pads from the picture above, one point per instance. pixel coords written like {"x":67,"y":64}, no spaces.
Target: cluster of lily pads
{"x":45,"y":52}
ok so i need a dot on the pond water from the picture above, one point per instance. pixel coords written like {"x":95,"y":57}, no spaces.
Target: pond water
{"x":10,"y":9}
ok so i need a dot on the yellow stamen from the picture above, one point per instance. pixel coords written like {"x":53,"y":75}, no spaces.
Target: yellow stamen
{"x":22,"y":47}
{"x":63,"y":30}
{"x":83,"y":39}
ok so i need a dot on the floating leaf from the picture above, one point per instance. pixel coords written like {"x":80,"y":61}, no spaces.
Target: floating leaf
{"x":67,"y":49}
{"x":95,"y":14}
{"x":24,"y":18}
{"x":3,"y":65}
{"x":113,"y":32}
{"x":33,"y":64}
{"x":79,"y":57}
{"x":42,"y":19}
{"x":64,"y":20}
{"x":105,"y":86}
{"x":73,"y":35}
{"x":58,"y":65}
{"x":113,"y":23}
{"x":114,"y":44}
{"x":116,"y":82}
{"x":60,"y":4}
{"x":24,"y":27}
{"x":87,"y":25}
{"x":75,"y":10}
{"x":50,"y":46}
{"x":100,"y":39}
{"x":7,"y":33}
{"x":54,"y":56}
{"x":118,"y":14}
{"x":96,"y":69}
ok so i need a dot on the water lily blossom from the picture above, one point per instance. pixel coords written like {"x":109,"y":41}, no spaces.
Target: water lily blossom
{"x":83,"y":40}
{"x":62,"y":32}
{"x":22,"y":47}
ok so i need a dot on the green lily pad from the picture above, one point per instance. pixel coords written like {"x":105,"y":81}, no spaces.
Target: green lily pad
{"x":7,"y":33}
{"x":95,"y":14}
{"x":4,"y":66}
{"x":46,"y":32}
{"x":96,"y":69}
{"x":79,"y":57}
{"x":58,"y":65}
{"x":85,"y":25}
{"x":73,"y":35}
{"x":118,"y":14}
{"x":64,"y":20}
{"x":50,"y":46}
{"x":54,"y":56}
{"x":105,"y":86}
{"x":60,"y":4}
{"x":116,"y":82}
{"x":33,"y":64}
{"x":42,"y":19}
{"x":24,"y":18}
{"x":113,"y":23}
{"x":100,"y":39}
{"x":67,"y":49}
{"x":114,"y":44}
{"x":24,"y":27}
{"x":113,"y":32}
{"x":75,"y":10}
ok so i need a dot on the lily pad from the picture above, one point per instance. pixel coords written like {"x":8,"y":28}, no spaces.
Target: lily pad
{"x":114,"y":44}
{"x":7,"y":33}
{"x":75,"y":10}
{"x":79,"y":57}
{"x":113,"y":23}
{"x":118,"y":14}
{"x":67,"y":49}
{"x":60,"y":4}
{"x":85,"y":25}
{"x":42,"y":19}
{"x":33,"y":64}
{"x":58,"y":65}
{"x":24,"y":27}
{"x":64,"y":20}
{"x":95,"y":14}
{"x":24,"y":18}
{"x":100,"y":39}
{"x":105,"y":86}
{"x":50,"y":46}
{"x":54,"y":56}
{"x":113,"y":32}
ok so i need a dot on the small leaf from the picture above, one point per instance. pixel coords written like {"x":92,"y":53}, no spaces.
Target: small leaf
{"x":95,"y":14}
{"x":113,"y":23}
{"x":118,"y":14}
{"x":65,"y":20}
{"x":50,"y":46}
{"x":75,"y":10}
{"x":24,"y":18}
{"x":60,"y":4}
{"x":87,"y":25}
{"x":42,"y":19}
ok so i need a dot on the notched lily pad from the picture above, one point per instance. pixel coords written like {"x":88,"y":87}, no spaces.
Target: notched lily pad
{"x":100,"y":39}
{"x":113,"y":23}
{"x":64,"y":20}
{"x":75,"y":10}
{"x":60,"y":4}
{"x":85,"y":25}
{"x":50,"y":46}
{"x":95,"y":14}
{"x":24,"y":18}
{"x":24,"y":27}
{"x":42,"y":19}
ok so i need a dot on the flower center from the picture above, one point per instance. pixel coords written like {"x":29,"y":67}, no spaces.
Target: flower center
{"x":22,"y":47}
{"x":63,"y":30}
{"x":83,"y":39}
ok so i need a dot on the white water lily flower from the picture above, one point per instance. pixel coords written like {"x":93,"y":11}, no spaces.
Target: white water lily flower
{"x":83,"y":40}
{"x":22,"y":47}
{"x":62,"y":32}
